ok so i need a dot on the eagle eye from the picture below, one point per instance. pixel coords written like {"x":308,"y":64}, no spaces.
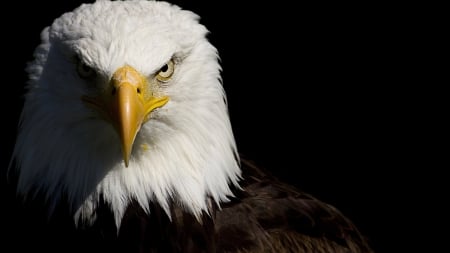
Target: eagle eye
{"x":165,"y":72}
{"x":85,"y":71}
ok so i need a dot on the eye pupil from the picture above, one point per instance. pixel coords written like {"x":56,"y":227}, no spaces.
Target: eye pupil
{"x":164,"y":68}
{"x":84,"y":70}
{"x":165,"y":72}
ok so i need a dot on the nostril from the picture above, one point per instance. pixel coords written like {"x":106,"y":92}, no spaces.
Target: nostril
{"x":113,"y":91}
{"x":138,"y":90}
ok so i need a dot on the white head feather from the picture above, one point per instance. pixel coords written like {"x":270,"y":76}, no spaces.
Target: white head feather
{"x":184,"y":154}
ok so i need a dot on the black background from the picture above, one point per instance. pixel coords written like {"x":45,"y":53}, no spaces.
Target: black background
{"x":312,"y":91}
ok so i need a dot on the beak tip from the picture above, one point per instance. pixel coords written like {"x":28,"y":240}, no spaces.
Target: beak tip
{"x":126,"y":160}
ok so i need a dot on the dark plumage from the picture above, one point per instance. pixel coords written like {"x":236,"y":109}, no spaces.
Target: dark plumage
{"x":283,"y":219}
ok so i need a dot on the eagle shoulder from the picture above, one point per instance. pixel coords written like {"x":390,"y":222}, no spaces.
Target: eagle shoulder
{"x":271,"y":216}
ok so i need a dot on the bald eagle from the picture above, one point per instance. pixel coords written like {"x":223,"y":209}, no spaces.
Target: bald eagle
{"x":125,"y":127}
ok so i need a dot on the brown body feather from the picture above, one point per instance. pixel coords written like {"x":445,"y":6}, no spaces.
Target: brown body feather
{"x":271,"y":216}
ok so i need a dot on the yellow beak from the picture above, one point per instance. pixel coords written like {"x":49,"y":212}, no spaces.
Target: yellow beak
{"x":127,"y":103}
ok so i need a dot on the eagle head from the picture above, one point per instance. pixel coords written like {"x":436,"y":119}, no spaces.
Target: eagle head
{"x":125,"y":103}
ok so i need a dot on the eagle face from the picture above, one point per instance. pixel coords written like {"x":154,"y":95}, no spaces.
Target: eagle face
{"x":125,"y":102}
